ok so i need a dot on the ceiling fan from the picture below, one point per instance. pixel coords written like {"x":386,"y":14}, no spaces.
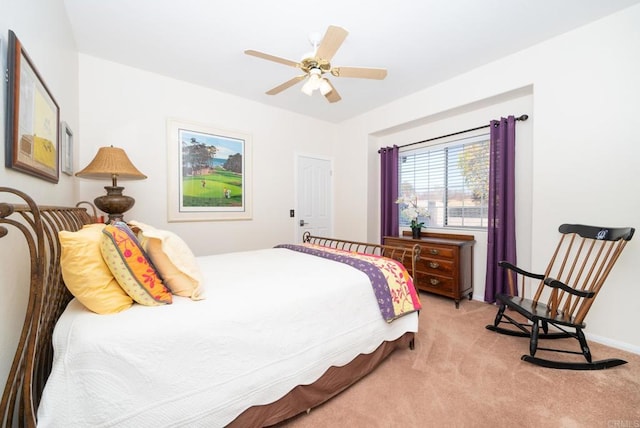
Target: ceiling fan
{"x":317,"y":63}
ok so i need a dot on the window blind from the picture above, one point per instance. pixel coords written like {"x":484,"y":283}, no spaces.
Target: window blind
{"x":450,"y":180}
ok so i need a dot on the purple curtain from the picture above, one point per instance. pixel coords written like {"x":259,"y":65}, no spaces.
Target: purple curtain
{"x":501,"y":230}
{"x":389,"y":222}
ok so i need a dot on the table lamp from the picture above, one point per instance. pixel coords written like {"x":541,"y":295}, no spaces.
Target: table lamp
{"x":112,"y":162}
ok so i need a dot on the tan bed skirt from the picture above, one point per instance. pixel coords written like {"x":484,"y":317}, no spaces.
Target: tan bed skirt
{"x":331,"y":383}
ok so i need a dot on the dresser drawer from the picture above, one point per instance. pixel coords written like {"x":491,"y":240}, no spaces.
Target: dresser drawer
{"x":442,"y":285}
{"x":436,"y":266}
{"x":433,"y":251}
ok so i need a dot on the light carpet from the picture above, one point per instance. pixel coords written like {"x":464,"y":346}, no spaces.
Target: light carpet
{"x":464,"y":375}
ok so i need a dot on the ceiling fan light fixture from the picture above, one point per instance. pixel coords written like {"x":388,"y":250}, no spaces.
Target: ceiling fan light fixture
{"x":313,"y":82}
{"x":325,"y":86}
{"x":307,"y":88}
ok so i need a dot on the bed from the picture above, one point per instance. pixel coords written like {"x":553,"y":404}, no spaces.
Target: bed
{"x":263,"y":345}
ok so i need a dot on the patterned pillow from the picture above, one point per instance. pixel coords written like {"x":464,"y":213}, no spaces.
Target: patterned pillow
{"x":85,"y":273}
{"x":173,"y":259}
{"x":131,"y":267}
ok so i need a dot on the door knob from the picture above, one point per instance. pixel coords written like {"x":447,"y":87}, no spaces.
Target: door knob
{"x":302,"y":223}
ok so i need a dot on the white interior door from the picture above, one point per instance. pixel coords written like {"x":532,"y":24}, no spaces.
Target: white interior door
{"x":313,"y":213}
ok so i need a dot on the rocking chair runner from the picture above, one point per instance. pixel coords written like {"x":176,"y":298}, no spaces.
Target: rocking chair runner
{"x":579,"y":267}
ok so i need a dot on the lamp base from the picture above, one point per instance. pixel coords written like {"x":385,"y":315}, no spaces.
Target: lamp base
{"x":114,"y":203}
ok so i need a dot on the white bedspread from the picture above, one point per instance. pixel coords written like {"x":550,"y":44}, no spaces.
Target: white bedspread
{"x":272,"y":319}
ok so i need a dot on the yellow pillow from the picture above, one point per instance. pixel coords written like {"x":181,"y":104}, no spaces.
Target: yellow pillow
{"x":131,"y":267}
{"x":85,"y":273}
{"x":173,"y":259}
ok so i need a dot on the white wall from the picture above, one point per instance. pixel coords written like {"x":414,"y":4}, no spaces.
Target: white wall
{"x":128,"y":108}
{"x":55,"y":58}
{"x":585,"y":148}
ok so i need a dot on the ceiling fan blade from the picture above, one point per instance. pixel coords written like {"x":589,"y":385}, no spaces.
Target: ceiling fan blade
{"x":332,"y":96}
{"x":272,"y":58}
{"x":331,"y":41}
{"x":286,"y":85}
{"x":361,"y":72}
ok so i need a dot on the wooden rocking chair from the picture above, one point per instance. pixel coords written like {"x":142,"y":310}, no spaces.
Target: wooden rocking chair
{"x":579,"y":267}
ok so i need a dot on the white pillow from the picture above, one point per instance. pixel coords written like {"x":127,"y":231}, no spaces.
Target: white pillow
{"x":174,"y":260}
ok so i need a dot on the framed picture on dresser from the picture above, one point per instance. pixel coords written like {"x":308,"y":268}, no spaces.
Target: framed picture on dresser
{"x":33,"y":117}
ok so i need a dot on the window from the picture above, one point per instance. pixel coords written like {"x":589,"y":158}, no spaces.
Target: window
{"x":450,"y":180}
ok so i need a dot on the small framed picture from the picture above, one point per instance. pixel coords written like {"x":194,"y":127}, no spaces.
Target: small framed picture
{"x":66,"y":137}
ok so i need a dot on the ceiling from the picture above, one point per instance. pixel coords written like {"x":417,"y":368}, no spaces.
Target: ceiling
{"x":419,"y":42}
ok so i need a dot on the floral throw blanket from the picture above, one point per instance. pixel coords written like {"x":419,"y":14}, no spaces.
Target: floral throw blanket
{"x":392,"y":284}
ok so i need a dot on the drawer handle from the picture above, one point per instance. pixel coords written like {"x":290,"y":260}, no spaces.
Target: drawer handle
{"x":433,"y":251}
{"x":434,"y":281}
{"x":434,"y":265}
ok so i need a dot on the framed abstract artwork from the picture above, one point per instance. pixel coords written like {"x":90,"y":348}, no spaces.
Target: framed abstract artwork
{"x":33,"y":118}
{"x":209,"y":173}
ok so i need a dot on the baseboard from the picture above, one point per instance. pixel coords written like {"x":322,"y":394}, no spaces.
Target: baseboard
{"x":613,"y":343}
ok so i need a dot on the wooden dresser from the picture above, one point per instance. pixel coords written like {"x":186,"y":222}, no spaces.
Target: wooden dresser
{"x":446,"y":263}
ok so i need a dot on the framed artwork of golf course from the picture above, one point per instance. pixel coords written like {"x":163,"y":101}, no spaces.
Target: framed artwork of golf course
{"x":209,"y":173}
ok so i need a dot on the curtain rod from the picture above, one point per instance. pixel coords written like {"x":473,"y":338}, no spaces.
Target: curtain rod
{"x":522,"y":118}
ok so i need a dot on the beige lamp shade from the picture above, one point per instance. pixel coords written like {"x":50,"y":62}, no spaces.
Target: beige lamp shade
{"x":109,"y":162}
